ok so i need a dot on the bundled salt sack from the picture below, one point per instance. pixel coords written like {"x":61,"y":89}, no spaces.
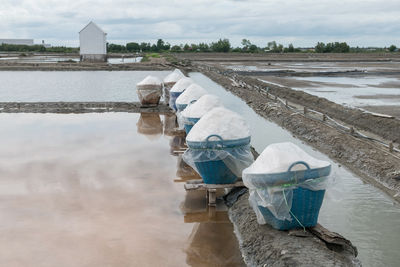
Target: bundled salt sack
{"x":273,"y":179}
{"x":219,"y":121}
{"x":202,"y":106}
{"x":278,"y":157}
{"x":149,"y":90}
{"x":150,"y":82}
{"x":181,"y":85}
{"x":193,"y":92}
{"x":173,"y":77}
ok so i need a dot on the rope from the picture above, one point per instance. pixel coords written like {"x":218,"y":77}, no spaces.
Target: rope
{"x":291,"y":213}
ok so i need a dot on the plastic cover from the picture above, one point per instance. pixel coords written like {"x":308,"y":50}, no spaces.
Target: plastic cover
{"x":278,"y":198}
{"x":150,"y":96}
{"x":236,"y":159}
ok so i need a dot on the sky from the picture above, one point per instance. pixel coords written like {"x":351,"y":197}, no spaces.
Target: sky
{"x":301,"y":22}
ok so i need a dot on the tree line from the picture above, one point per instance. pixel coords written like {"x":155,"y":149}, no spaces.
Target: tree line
{"x":37,"y":48}
{"x":222,"y":45}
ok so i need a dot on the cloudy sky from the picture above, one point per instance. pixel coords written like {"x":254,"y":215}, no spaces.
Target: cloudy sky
{"x":301,"y":22}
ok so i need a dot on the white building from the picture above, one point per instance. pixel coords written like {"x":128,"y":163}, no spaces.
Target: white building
{"x":93,"y":43}
{"x":17,"y":41}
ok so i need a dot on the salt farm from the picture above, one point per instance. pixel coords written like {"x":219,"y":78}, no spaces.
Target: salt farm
{"x":96,"y":178}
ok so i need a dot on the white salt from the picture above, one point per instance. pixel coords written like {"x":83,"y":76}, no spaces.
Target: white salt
{"x":181,"y":85}
{"x":202,"y":106}
{"x":150,"y":80}
{"x":174,"y":76}
{"x":220,"y":121}
{"x":278,"y":157}
{"x":193,"y":92}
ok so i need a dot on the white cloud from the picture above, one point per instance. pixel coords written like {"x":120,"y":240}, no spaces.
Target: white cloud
{"x":303,"y":22}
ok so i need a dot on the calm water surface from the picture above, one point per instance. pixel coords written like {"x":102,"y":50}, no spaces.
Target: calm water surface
{"x":99,"y":190}
{"x":43,"y":86}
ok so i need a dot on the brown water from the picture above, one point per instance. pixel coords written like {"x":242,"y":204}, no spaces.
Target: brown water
{"x":99,"y":190}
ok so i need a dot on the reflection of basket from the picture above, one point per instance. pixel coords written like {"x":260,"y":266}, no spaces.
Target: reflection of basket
{"x":305,"y":203}
{"x":189,"y":123}
{"x":216,"y":171}
{"x":305,"y":207}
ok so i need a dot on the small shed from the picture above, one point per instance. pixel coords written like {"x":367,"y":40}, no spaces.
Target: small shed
{"x":93,"y":43}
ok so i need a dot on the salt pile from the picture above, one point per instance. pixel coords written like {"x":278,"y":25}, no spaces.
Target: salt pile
{"x":202,"y":106}
{"x":150,"y":82}
{"x":193,"y":92}
{"x":278,"y":157}
{"x":181,"y":85}
{"x":173,"y":77}
{"x":220,"y":121}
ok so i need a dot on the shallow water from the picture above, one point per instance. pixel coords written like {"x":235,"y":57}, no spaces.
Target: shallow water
{"x":41,"y":86}
{"x":99,"y":190}
{"x":359,"y":211}
{"x":346,"y":90}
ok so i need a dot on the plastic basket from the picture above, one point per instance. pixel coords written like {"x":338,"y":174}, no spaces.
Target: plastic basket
{"x":189,"y":123}
{"x":181,"y":107}
{"x":172,"y":99}
{"x":216,"y":171}
{"x":273,"y":179}
{"x":305,"y":206}
{"x":305,"y":203}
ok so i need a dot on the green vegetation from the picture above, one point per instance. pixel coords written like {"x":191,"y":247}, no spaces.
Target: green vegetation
{"x":222,"y":45}
{"x":37,"y":48}
{"x":332,"y":47}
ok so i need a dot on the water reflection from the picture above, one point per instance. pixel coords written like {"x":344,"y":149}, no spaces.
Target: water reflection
{"x":212,"y":241}
{"x":184,"y":172}
{"x":170,"y":124}
{"x":150,"y":125}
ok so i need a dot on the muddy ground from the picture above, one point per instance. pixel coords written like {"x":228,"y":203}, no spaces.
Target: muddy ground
{"x":261,"y":245}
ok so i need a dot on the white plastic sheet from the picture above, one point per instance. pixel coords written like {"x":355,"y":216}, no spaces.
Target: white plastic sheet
{"x":236,"y":159}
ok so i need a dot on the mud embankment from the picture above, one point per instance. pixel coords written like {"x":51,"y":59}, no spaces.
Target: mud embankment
{"x":80,"y":107}
{"x":368,"y":160}
{"x":81,"y":66}
{"x":261,"y":245}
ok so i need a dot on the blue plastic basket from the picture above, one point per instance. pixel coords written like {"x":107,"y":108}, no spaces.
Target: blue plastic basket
{"x":215,"y":171}
{"x":274,"y":179}
{"x":305,"y":206}
{"x":172,"y":99}
{"x":190,"y":122}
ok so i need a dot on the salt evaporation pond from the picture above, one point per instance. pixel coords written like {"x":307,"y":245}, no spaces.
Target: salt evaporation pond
{"x":48,"y":86}
{"x":353,"y":91}
{"x":94,"y":190}
{"x":359,"y":211}
{"x":91,"y":172}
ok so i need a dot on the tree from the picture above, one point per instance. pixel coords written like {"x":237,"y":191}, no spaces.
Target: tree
{"x":144,"y":47}
{"x":320,"y":47}
{"x":246,"y":44}
{"x":133,"y":47}
{"x":223,"y":45}
{"x":176,"y":48}
{"x":203,"y":47}
{"x":160,"y":44}
{"x":392,"y":48}
{"x":290,"y":48}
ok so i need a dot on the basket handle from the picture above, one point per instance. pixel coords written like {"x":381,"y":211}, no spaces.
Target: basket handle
{"x":298,"y":162}
{"x":214,"y":135}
